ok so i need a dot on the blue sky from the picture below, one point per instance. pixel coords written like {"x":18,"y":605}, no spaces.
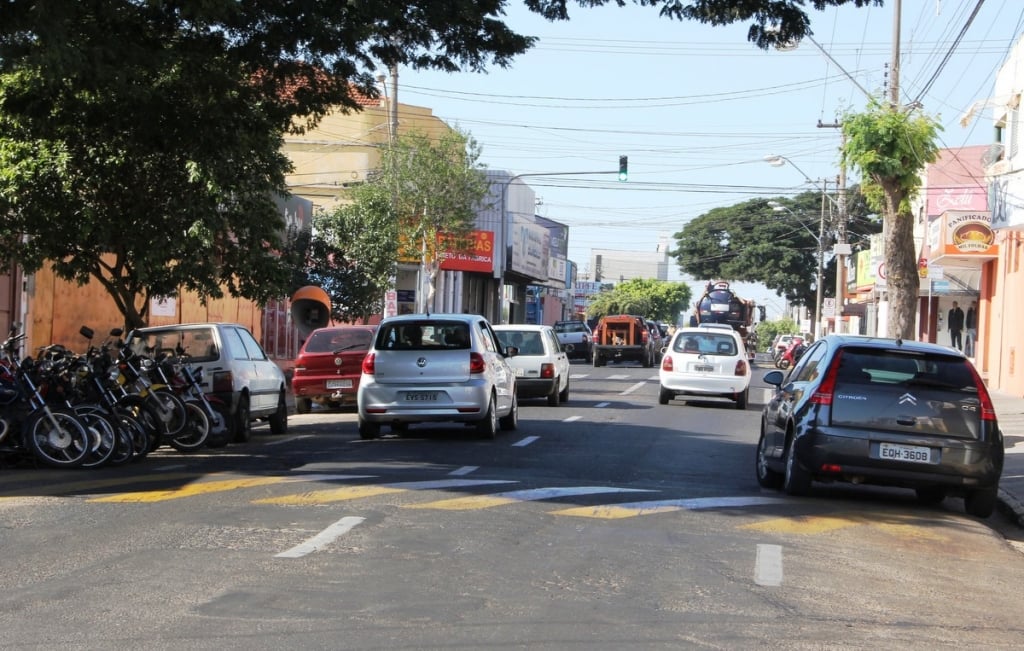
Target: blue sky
{"x":697,"y":108}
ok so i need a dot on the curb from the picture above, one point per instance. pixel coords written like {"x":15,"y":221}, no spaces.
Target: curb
{"x":1011,"y":507}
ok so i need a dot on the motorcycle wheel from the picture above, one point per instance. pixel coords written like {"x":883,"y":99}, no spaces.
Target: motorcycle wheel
{"x":196,"y":431}
{"x":57,"y":439}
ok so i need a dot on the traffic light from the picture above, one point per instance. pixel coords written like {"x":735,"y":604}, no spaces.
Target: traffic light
{"x":623,"y":168}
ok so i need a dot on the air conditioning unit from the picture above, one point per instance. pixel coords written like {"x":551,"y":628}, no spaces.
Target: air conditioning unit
{"x":993,"y":154}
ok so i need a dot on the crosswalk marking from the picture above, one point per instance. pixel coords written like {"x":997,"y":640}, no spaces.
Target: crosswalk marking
{"x":898,"y":525}
{"x":99,"y":484}
{"x":345,"y":493}
{"x":528,"y":495}
{"x":634,"y":509}
{"x":214,"y":486}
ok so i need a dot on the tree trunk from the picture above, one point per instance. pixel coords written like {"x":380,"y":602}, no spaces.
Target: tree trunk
{"x":901,"y":277}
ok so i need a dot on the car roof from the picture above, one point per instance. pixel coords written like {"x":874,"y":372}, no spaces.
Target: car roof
{"x":440,"y":316}
{"x":187,"y":326}
{"x":521,"y":326}
{"x":890,"y":343}
{"x":698,"y":330}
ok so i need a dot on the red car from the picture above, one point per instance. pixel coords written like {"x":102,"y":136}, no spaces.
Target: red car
{"x":329,"y":365}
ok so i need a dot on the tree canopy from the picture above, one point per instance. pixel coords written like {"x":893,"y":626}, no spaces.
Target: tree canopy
{"x":140,"y":142}
{"x":753,"y":241}
{"x":653,"y":299}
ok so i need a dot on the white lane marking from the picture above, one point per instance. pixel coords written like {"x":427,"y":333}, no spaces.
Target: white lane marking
{"x":464,"y":470}
{"x":288,"y":440}
{"x":701,"y":503}
{"x":654,"y":378}
{"x":618,"y":377}
{"x":602,"y":404}
{"x":638,"y":385}
{"x":322,"y":539}
{"x":528,"y":440}
{"x":768,"y":565}
{"x":578,"y":376}
{"x":324,"y":477}
{"x":447,"y":483}
{"x":572,"y":419}
{"x":1018,"y":448}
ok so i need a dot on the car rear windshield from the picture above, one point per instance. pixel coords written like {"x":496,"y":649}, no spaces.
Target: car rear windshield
{"x":198,"y":344}
{"x":570,"y":326}
{"x":423,"y":335}
{"x":528,"y":342}
{"x":710,"y":343}
{"x":336,"y":341}
{"x":872,"y":366}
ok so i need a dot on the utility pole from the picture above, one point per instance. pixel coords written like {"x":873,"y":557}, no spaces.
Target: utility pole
{"x":842,"y":248}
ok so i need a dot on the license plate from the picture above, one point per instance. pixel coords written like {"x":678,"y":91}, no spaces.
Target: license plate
{"x":520,"y":372}
{"x":719,"y":307}
{"x":703,"y":368}
{"x":421,"y":396}
{"x":339,"y":384}
{"x":911,"y":453}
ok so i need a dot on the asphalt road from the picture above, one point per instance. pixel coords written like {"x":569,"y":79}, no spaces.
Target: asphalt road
{"x":609,"y":522}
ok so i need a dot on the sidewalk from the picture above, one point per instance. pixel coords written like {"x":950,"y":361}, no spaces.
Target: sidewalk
{"x":1010,"y":411}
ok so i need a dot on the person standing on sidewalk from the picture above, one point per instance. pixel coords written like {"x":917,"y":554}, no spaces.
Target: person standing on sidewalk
{"x":971,"y":325}
{"x":955,"y":323}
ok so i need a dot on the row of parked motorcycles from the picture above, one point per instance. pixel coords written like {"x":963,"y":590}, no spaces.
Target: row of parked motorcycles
{"x":107,"y":406}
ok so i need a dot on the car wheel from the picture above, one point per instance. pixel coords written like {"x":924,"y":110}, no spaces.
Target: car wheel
{"x":930,"y":494}
{"x":303,"y":405}
{"x":487,"y":427}
{"x":279,"y":419}
{"x":797,"y":480}
{"x":742,"y":398}
{"x":981,"y":502}
{"x":597,"y":361}
{"x":511,"y":421}
{"x":766,"y":477}
{"x":664,"y":395}
{"x":242,"y":421}
{"x":554,"y":398}
{"x":368,"y":430}
{"x":564,"y":395}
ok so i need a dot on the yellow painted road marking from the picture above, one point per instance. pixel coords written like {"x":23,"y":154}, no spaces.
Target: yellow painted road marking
{"x":528,"y":495}
{"x":903,"y":526}
{"x":191,"y":490}
{"x":329,"y":495}
{"x":634,"y":509}
{"x":612,"y":512}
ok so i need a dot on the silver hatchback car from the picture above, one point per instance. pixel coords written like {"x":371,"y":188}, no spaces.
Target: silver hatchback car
{"x":436,"y":368}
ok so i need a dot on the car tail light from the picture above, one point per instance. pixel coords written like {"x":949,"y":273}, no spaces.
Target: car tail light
{"x":368,"y":364}
{"x":223,"y":382}
{"x":823,"y":395}
{"x":547,"y":370}
{"x":988,"y":410}
{"x":741,"y":367}
{"x":476,"y":363}
{"x":831,"y":467}
{"x":666,"y":363}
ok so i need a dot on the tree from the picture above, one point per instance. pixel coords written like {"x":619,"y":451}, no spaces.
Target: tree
{"x":424,"y":193}
{"x":891,"y":146}
{"x":140,"y":142}
{"x":653,"y":299}
{"x":753,"y":242}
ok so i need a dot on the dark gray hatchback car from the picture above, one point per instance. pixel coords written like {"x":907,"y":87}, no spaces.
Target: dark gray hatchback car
{"x":886,"y":412}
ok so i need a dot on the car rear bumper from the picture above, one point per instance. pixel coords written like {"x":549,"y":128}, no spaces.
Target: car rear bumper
{"x":961,"y":463}
{"x":315,"y":388}
{"x":387,"y":403}
{"x":535,"y":387}
{"x":703,"y":385}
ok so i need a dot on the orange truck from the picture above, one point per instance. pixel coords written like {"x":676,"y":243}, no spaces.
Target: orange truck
{"x":623,"y":337}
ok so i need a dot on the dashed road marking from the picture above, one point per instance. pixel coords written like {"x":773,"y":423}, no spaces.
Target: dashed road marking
{"x":635,"y":387}
{"x":464,"y":470}
{"x":526,"y":441}
{"x":768,"y":565}
{"x":322,"y":539}
{"x":602,"y":404}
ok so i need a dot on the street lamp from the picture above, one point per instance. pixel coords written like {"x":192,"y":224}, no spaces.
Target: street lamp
{"x":820,"y":239}
{"x":777,"y":160}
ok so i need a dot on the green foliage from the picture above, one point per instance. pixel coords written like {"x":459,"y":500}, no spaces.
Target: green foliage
{"x":890,"y":147}
{"x":753,"y":242}
{"x":423,"y":189}
{"x":766,"y":331}
{"x":652,"y":299}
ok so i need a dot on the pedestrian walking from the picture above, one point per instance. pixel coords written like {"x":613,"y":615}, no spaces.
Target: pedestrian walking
{"x":971,"y":326}
{"x":955,"y":323}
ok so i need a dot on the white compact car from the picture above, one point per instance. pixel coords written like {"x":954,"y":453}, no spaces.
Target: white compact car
{"x":541,"y":365}
{"x":705,"y":361}
{"x":436,"y":368}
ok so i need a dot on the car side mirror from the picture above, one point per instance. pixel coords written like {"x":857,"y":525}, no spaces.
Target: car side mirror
{"x":774,"y":378}
{"x":511,"y":351}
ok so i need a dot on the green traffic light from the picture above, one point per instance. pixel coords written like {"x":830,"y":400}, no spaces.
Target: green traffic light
{"x":623,"y":168}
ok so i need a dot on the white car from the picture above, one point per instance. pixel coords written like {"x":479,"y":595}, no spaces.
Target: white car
{"x":541,"y":365}
{"x":705,"y":361}
{"x":436,"y":368}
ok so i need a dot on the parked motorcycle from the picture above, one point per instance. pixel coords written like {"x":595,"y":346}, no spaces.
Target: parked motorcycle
{"x":792,"y":354}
